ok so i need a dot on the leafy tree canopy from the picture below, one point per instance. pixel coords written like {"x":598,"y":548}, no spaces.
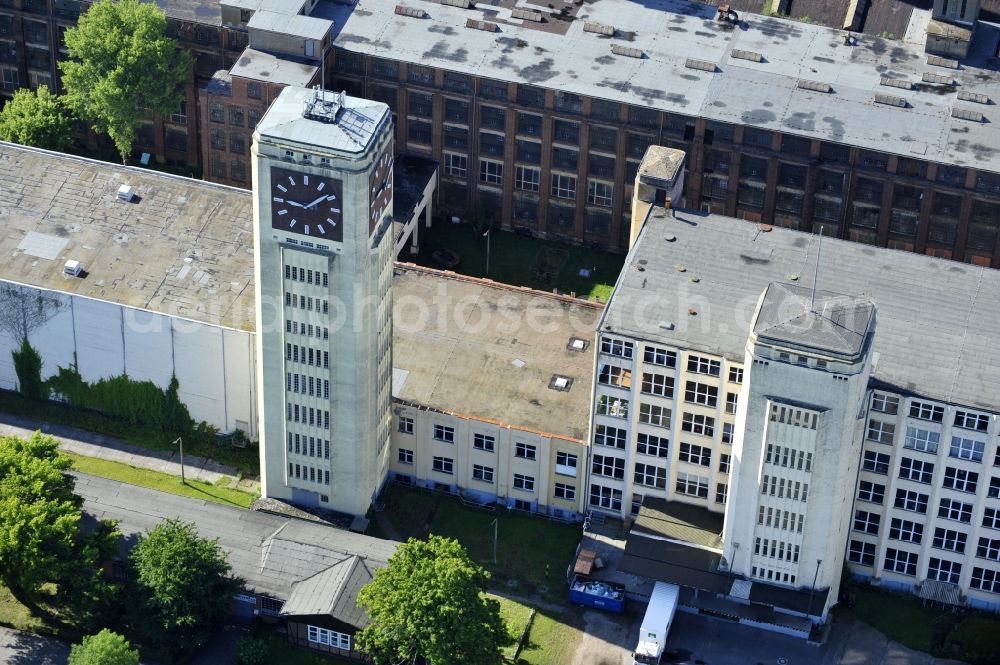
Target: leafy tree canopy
{"x":37,"y":118}
{"x":428,"y":606}
{"x":185,"y":586}
{"x":104,"y":648}
{"x":121,"y":66}
{"x":41,"y":539}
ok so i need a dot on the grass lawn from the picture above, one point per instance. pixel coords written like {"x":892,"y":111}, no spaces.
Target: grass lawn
{"x":551,"y":641}
{"x":161,"y":481}
{"x":532,"y":550}
{"x":15,"y":615}
{"x":516,"y":617}
{"x":522,"y":261}
{"x":970,"y":637}
{"x":246,"y":460}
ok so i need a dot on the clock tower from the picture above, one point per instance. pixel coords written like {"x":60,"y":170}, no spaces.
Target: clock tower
{"x":322,"y":183}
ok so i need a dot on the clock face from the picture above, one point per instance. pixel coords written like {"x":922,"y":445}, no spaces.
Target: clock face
{"x":307,"y":204}
{"x":380,"y":189}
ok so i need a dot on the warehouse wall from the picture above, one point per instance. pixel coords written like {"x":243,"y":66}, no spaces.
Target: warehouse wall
{"x":214,"y":365}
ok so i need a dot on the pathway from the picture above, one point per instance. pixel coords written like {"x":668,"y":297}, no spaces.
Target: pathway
{"x":89,"y":444}
{"x":20,"y":648}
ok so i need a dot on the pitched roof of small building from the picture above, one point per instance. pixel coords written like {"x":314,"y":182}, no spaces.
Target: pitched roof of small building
{"x":333,"y":592}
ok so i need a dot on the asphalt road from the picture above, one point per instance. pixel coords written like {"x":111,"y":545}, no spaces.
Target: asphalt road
{"x":17,"y":648}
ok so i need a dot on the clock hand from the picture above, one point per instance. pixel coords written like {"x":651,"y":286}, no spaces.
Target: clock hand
{"x":322,"y":198}
{"x":296,"y":204}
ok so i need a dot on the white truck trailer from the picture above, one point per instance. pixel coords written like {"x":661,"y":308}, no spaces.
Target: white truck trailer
{"x":656,"y":624}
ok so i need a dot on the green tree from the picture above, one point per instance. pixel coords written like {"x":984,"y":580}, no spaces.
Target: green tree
{"x":41,"y":539}
{"x":104,"y":648}
{"x":37,"y":118}
{"x":28,"y":367}
{"x":428,"y":606}
{"x":183,"y":586}
{"x":121,"y":66}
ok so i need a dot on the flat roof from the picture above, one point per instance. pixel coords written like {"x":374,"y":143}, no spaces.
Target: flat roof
{"x":306,"y":27}
{"x":354,"y":125}
{"x":478,"y":348}
{"x":182,"y":247}
{"x":195,"y":11}
{"x":558,"y":53}
{"x":679,"y":521}
{"x":261,"y":66}
{"x":937,"y":331}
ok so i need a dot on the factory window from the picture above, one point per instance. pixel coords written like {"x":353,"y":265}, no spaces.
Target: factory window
{"x":616,"y":347}
{"x":456,"y":110}
{"x":405,"y":425}
{"x":988,"y":549}
{"x":650,"y":476}
{"x":866,"y":522}
{"x":961,"y":480}
{"x":885,"y":403}
{"x":567,"y":102}
{"x":456,"y":137}
{"x":943,"y":570}
{"x":599,"y":193}
{"x":974,"y":421}
{"x":525,"y":483}
{"x":418,"y":131}
{"x":648,"y":444}
{"x":530,"y":124}
{"x":657,"y":384}
{"x":612,"y":375}
{"x":456,"y":166}
{"x":524,"y":451}
{"x":458,"y":82}
{"x":691,"y":485}
{"x":916,"y":470}
{"x":985,"y":579}
{"x":405,"y":456}
{"x":699,"y":365}
{"x":236,"y":116}
{"x":491,"y":172}
{"x":921,"y":439}
{"x":254,"y":90}
{"x":491,"y":144}
{"x":528,"y":151}
{"x":875,"y":462}
{"x":757,"y":137}
{"x":906,"y":531}
{"x":727,"y":432}
{"x":991,"y":518}
{"x":493,"y":117}
{"x":329,"y":637}
{"x":443,"y":465}
{"x":721,"y":493}
{"x":613,"y":437}
{"x":701,"y":393}
{"x":443,"y":433}
{"x":657,"y":356}
{"x":926,"y":411}
{"x":698,"y":424}
{"x":946,"y":539}
{"x":732,"y":401}
{"x":657,"y":416}
{"x":527,"y":178}
{"x":564,"y":491}
{"x":958,"y":511}
{"x":910,"y":500}
{"x":563,"y":186}
{"x":605,"y":497}
{"x":871,"y":492}
{"x":724,"y":462}
{"x":862,"y":553}
{"x":482,"y":473}
{"x":604,"y":139}
{"x":484,"y":442}
{"x":420,"y":75}
{"x":496,"y":90}
{"x":899,"y":561}
{"x":700,"y":455}
{"x":385,"y":69}
{"x":967,"y":449}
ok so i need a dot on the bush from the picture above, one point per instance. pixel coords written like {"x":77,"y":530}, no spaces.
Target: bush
{"x":28,"y":367}
{"x":252,"y":651}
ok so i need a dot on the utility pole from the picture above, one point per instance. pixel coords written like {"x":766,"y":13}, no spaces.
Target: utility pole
{"x":496,"y":524}
{"x":180,"y":442}
{"x":812,"y":589}
{"x":487,"y":236}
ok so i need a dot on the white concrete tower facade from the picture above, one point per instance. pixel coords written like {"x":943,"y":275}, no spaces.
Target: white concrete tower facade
{"x":798,"y":439}
{"x":322,"y":182}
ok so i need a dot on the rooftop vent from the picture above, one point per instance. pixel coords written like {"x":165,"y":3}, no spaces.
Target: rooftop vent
{"x":937,"y":79}
{"x":627,"y":51}
{"x":126,"y":193}
{"x":727,"y":15}
{"x":412,"y":12}
{"x":666,"y":325}
{"x":485,"y":26}
{"x":527,"y":14}
{"x":464,"y":4}
{"x":72,"y":268}
{"x":938,"y":61}
{"x":896,"y":83}
{"x":973,"y":97}
{"x":747,"y":55}
{"x":815,"y":86}
{"x":701,"y":65}
{"x":966,"y":114}
{"x":560,"y":383}
{"x":577,"y":344}
{"x":891,"y":100}
{"x":599,"y":28}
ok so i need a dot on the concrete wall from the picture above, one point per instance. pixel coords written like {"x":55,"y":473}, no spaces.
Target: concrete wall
{"x":214,"y":365}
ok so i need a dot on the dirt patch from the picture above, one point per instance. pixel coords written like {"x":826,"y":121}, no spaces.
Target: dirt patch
{"x":607,"y":639}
